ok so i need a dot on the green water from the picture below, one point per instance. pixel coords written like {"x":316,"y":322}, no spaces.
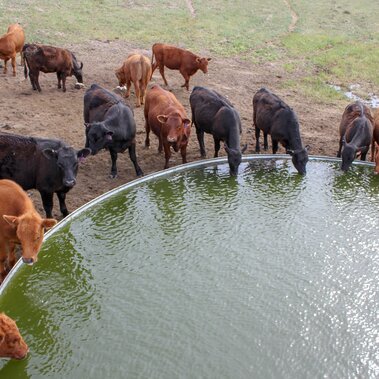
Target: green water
{"x":199,"y":275}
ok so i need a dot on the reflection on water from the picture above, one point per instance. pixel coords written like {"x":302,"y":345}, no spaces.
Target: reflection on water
{"x":269,"y":274}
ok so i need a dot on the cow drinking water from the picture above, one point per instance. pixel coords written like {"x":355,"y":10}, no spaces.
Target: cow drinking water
{"x":273,"y":116}
{"x":20,"y":224}
{"x":356,"y":133}
{"x":213,"y":113}
{"x":109,"y":125}
{"x":47,"y":165}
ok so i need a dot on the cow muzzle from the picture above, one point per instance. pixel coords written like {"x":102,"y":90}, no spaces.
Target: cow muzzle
{"x":70,"y":183}
{"x":28,"y":261}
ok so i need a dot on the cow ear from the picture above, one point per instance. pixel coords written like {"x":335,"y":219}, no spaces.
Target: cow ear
{"x":81,"y":65}
{"x":198,"y":60}
{"x":290,"y":152}
{"x":307,"y":147}
{"x":162,"y":119}
{"x":186,"y":122}
{"x":226,"y":147}
{"x":2,"y":337}
{"x":11,"y":220}
{"x":209,"y":59}
{"x":87,"y":125}
{"x":82,"y":154}
{"x":244,"y":149}
{"x":108,"y":135}
{"x":48,"y":223}
{"x":50,"y":153}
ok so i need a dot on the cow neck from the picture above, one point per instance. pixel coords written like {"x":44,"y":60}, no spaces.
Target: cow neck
{"x":294,"y":138}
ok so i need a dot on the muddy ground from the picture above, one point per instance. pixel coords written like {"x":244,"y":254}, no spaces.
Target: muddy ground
{"x":55,"y":114}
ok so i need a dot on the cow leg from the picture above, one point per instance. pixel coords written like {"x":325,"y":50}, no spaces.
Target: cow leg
{"x":62,"y":203}
{"x":217,"y":147}
{"x":161,"y":70}
{"x":114,"y":164}
{"x":11,"y":256}
{"x":138,"y":94}
{"x":143,"y":91}
{"x":200,"y":138}
{"x":186,"y":80}
{"x":133,"y":158}
{"x":153,"y":67}
{"x":160,"y":145}
{"x":147,"y":139}
{"x":128,"y":85}
{"x":183,"y":152}
{"x":167,"y":154}
{"x":37,"y":81}
{"x":265,"y":141}
{"x":275,"y":146}
{"x":364,"y":154}
{"x":14,"y":64}
{"x":257,"y":133}
{"x":64,"y":82}
{"x":59,"y":80}
{"x":5,"y":65}
{"x":32,"y":81}
{"x":47,"y":201}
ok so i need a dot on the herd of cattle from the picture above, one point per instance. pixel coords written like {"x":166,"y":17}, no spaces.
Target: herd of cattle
{"x":50,"y":166}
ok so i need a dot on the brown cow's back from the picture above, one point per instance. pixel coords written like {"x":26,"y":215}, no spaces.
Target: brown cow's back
{"x":351,"y":112}
{"x":18,"y":36}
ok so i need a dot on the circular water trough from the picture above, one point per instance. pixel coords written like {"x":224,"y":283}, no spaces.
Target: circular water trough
{"x":190,"y":273}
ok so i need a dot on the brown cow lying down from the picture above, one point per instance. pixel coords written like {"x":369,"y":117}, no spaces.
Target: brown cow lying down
{"x":12,"y":344}
{"x":175,"y":58}
{"x":136,"y":69}
{"x":11,"y":43}
{"x":21,"y":224}
{"x":166,"y":117}
{"x":375,"y":142}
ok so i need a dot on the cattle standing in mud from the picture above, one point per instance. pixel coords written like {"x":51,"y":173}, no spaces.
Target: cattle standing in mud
{"x":375,"y":143}
{"x":12,"y":43}
{"x":175,"y":58}
{"x":274,"y":117}
{"x":50,"y":59}
{"x":137,"y":70}
{"x":47,"y":165}
{"x":109,"y":125}
{"x":356,"y":133}
{"x":20,"y":224}
{"x":12,"y":345}
{"x":166,"y":117}
{"x":214,"y":114}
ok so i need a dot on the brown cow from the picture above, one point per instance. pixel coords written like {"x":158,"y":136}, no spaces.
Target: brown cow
{"x":12,"y":344}
{"x":136,"y":69}
{"x":356,"y":130}
{"x":19,"y":224}
{"x":168,"y":120}
{"x":11,"y":43}
{"x":50,"y":59}
{"x":175,"y":58}
{"x":375,"y":142}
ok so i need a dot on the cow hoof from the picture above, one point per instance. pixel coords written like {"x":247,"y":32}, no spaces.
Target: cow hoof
{"x":113,"y":176}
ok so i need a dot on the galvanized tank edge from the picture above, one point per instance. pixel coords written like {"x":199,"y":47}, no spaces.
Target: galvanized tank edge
{"x":160,"y":174}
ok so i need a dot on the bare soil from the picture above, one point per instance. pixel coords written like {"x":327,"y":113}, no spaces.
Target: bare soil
{"x":54,"y":114}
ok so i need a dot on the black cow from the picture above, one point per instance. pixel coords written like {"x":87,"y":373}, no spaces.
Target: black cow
{"x":273,"y":116}
{"x":47,"y":165}
{"x":213,"y":113}
{"x":109,"y":125}
{"x":356,"y":132}
{"x":50,"y":59}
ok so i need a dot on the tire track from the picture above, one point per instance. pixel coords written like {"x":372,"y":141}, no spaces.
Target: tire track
{"x":294,"y":16}
{"x":191,"y":8}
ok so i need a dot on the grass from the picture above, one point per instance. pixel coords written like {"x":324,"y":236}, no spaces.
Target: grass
{"x":333,"y":42}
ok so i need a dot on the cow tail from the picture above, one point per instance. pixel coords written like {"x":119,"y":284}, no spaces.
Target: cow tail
{"x":25,"y":66}
{"x":152,"y":56}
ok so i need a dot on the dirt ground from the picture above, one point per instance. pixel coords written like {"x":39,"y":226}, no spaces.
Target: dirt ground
{"x":55,"y":114}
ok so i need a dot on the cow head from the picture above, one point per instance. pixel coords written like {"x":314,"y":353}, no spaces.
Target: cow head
{"x":29,"y":229}
{"x":234,"y":158}
{"x":120,"y":77}
{"x":176,"y":129}
{"x":348,"y":155}
{"x":12,"y":344}
{"x":77,"y":69}
{"x":202,"y":64}
{"x":376,"y":159}
{"x":98,"y":137}
{"x":299,"y":159}
{"x":67,"y":160}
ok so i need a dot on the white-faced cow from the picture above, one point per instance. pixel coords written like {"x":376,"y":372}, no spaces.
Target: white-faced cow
{"x":273,"y":116}
{"x":356,"y":132}
{"x":109,"y":125}
{"x":213,"y":113}
{"x":47,"y":165}
{"x":176,"y":58}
